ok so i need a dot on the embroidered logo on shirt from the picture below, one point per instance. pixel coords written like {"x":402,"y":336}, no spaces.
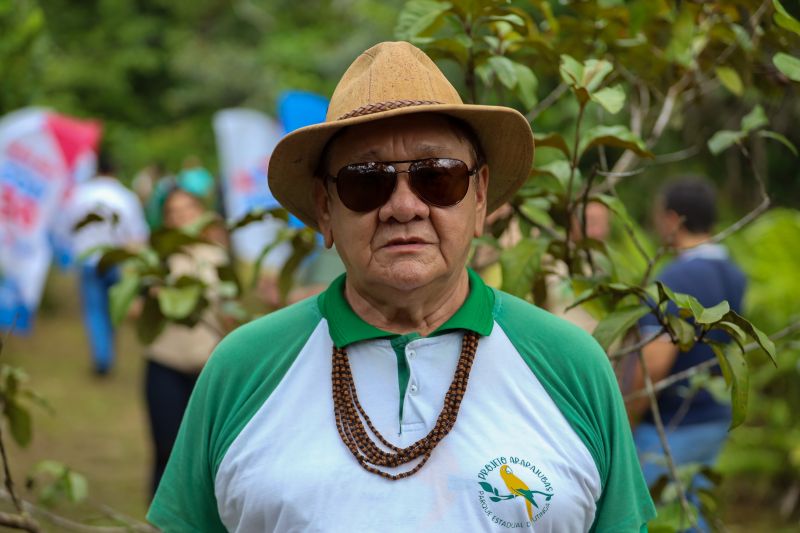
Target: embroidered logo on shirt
{"x":508,"y":481}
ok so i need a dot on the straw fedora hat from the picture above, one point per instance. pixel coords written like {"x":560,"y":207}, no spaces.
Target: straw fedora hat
{"x":391,"y":79}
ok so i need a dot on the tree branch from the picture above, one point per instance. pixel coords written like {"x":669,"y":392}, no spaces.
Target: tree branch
{"x":15,"y":521}
{"x":549,"y":100}
{"x":710,"y":363}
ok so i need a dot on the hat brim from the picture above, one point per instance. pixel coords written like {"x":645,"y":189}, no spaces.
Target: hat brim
{"x":504,"y":133}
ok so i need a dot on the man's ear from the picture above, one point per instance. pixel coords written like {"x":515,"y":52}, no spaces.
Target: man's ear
{"x":322,"y":207}
{"x":481,"y":194}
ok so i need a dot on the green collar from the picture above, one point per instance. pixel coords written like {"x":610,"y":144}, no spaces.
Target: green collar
{"x":346,"y":327}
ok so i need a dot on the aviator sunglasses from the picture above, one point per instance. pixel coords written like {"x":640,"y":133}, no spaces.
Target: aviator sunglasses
{"x":437,"y":181}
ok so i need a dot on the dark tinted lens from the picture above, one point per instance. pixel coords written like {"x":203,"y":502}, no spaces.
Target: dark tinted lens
{"x":440,"y":182}
{"x":363,"y":187}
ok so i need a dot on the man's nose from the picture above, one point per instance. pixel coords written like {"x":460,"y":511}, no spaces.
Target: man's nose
{"x":403,"y":205}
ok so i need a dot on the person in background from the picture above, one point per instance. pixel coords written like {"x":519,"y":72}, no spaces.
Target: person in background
{"x":121,"y":223}
{"x":696,"y":423}
{"x":176,"y":357}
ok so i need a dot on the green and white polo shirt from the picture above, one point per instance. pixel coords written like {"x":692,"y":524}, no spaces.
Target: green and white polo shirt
{"x":541,"y":442}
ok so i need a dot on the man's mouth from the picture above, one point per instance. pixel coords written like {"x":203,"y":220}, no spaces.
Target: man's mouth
{"x":408,"y":241}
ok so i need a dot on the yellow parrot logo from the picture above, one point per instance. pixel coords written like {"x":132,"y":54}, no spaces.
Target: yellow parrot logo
{"x":517,"y":487}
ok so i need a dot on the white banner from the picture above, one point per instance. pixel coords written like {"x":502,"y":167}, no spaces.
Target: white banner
{"x":41,"y":156}
{"x":245,"y":140}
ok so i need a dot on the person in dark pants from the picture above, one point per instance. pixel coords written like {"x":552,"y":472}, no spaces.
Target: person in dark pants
{"x":696,"y":423}
{"x":176,"y":356}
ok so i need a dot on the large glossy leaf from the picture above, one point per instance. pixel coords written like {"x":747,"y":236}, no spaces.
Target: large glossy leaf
{"x":617,"y":323}
{"x":527,"y":84}
{"x":504,"y":69}
{"x":611,"y":98}
{"x":756,"y":334}
{"x":618,"y":136}
{"x":121,"y":296}
{"x":784,"y":19}
{"x":683,"y":331}
{"x":553,"y":140}
{"x":780,"y":138}
{"x":179,"y":302}
{"x":730,"y":80}
{"x":734,"y":369}
{"x":151,"y":322}
{"x":113,"y":257}
{"x":789,"y":65}
{"x":417,"y":16}
{"x":19,"y":422}
{"x":724,"y":139}
{"x":710,"y":315}
{"x":754,"y":119}
{"x":519,"y":265}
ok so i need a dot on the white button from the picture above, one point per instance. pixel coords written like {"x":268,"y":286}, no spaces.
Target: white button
{"x":413,"y":388}
{"x":412,"y":354}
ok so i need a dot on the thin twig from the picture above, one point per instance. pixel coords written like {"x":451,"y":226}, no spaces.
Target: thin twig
{"x":15,"y":521}
{"x":662,"y":436}
{"x":549,"y":100}
{"x":8,"y":481}
{"x":71,"y":525}
{"x":638,"y":346}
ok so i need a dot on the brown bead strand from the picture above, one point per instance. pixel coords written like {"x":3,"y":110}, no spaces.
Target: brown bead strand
{"x":350,"y":416}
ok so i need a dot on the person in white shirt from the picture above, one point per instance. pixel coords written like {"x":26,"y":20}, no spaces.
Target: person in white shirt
{"x":122,"y":224}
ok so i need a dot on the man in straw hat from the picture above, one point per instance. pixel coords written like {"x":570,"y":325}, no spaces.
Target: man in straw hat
{"x":409,"y":395}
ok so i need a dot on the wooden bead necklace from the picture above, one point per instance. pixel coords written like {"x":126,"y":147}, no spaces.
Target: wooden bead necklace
{"x":350,"y":416}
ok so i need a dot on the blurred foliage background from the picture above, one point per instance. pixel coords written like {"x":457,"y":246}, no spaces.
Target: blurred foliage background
{"x":155,"y":71}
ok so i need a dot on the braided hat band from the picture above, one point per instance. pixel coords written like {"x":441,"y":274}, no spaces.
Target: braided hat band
{"x":378,"y":107}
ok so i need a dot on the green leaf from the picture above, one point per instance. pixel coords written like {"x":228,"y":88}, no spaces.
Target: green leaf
{"x":724,"y":139}
{"x":511,"y":18}
{"x":571,"y":71}
{"x":618,"y":136}
{"x":617,"y":323}
{"x":788,"y":65}
{"x":302,"y":244}
{"x":179,"y":302}
{"x":734,"y":369}
{"x":767,"y":134}
{"x":735,"y":331}
{"x":710,"y":315}
{"x":594,"y":72}
{"x":504,"y":69}
{"x":113,"y":257}
{"x":756,"y":334}
{"x":754,"y":119}
{"x":683,"y":331}
{"x":417,"y":16}
{"x":784,"y":19}
{"x":168,"y":241}
{"x":553,"y":140}
{"x":485,"y":486}
{"x":520,"y":264}
{"x":730,"y":80}
{"x":616,"y":206}
{"x":536,"y":209}
{"x":77,"y":487}
{"x":560,"y":170}
{"x":19,"y":422}
{"x":611,"y":98}
{"x":121,"y":295}
{"x":151,"y":322}
{"x":89,"y":219}
{"x":527,"y":84}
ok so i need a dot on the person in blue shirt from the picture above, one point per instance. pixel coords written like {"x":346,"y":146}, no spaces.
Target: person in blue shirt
{"x":696,"y":423}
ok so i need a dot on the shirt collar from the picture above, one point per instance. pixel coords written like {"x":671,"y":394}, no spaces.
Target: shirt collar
{"x":705,"y":251}
{"x":346,"y":327}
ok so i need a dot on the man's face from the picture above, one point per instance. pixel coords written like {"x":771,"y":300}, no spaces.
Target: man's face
{"x":404,"y":244}
{"x":667,"y":222}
